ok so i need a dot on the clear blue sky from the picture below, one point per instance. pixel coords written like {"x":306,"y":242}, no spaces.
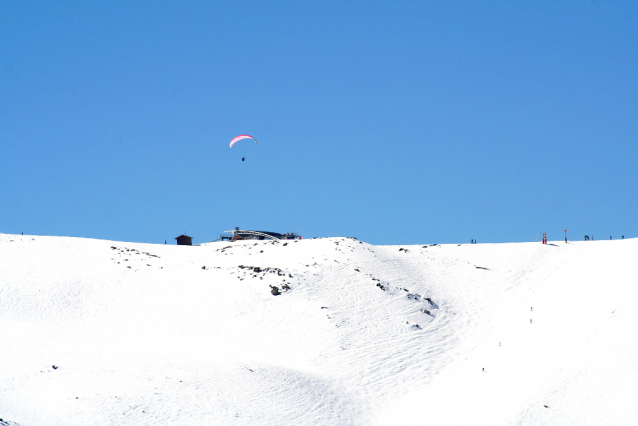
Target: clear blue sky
{"x":396,"y":122}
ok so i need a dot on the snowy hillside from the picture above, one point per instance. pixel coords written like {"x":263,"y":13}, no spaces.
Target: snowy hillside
{"x":111,"y":333}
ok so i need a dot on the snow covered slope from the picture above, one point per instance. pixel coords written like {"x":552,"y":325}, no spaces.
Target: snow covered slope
{"x":112,"y":333}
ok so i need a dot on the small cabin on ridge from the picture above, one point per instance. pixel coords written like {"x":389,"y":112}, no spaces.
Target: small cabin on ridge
{"x":184,"y":240}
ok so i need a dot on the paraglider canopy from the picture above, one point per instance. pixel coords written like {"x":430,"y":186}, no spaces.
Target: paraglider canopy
{"x":240,"y":137}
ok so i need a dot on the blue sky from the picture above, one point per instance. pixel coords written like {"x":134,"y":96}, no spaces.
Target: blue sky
{"x":396,"y":122}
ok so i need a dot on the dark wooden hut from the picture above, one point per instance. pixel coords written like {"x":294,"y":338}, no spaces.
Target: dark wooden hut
{"x":184,"y":240}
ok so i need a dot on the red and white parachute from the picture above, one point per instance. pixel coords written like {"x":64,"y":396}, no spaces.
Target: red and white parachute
{"x":240,"y":137}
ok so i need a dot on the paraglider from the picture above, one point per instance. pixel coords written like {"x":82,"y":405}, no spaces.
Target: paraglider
{"x":240,"y":137}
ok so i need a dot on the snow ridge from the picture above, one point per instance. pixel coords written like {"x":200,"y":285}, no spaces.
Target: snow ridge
{"x":329,"y":331}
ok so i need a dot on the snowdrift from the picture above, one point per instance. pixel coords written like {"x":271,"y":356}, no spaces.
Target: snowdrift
{"x":326,"y":331}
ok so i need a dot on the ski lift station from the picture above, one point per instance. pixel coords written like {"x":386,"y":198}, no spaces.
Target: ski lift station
{"x":243,"y":234}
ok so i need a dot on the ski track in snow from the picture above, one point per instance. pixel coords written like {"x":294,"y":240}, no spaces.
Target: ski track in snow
{"x":103,"y":333}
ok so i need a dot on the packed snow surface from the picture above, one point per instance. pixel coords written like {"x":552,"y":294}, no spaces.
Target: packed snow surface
{"x":111,"y":333}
